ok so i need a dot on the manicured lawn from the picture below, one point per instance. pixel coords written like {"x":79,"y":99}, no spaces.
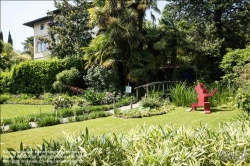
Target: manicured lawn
{"x":110,"y":125}
{"x":14,"y":110}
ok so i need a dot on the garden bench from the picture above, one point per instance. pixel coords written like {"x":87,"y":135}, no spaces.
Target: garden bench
{"x":203,"y":98}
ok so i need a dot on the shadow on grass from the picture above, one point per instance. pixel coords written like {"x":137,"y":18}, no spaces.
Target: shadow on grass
{"x":215,"y":109}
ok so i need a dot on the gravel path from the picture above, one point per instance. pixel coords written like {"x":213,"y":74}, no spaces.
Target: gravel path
{"x":125,"y":107}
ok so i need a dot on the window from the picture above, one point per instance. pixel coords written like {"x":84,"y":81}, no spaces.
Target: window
{"x":41,"y":26}
{"x":41,"y":46}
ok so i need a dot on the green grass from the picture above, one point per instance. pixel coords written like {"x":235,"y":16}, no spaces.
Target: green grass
{"x":110,"y":125}
{"x":14,"y":110}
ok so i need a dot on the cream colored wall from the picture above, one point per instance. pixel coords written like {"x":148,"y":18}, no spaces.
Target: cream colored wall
{"x":40,"y":33}
{"x":37,"y":31}
{"x":44,"y":33}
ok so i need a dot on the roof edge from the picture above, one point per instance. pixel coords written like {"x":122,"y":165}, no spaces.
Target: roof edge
{"x":31,"y":23}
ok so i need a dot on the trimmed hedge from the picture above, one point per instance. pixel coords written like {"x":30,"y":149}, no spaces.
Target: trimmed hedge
{"x":38,"y":76}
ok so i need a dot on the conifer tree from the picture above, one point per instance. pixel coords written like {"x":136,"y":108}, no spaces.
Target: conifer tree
{"x":10,"y":39}
{"x":1,"y":35}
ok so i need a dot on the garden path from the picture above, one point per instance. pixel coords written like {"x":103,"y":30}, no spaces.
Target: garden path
{"x":126,"y":107}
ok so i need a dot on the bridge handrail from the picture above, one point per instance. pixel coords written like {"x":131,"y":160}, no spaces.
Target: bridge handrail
{"x":154,"y":83}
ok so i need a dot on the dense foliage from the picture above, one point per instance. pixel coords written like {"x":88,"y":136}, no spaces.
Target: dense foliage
{"x":182,"y":94}
{"x":217,"y":25}
{"x":101,"y":78}
{"x":121,"y":38}
{"x":233,"y":62}
{"x":242,"y":98}
{"x":156,"y":145}
{"x":38,"y":76}
{"x":69,"y":30}
{"x":9,"y":57}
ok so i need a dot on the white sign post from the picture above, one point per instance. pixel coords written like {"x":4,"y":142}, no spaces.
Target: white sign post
{"x":128,"y":89}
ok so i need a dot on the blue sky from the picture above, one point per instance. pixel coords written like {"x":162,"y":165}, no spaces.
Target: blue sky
{"x":15,"y":13}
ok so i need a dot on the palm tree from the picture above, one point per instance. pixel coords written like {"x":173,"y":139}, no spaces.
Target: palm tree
{"x":118,"y":37}
{"x":28,"y":46}
{"x":122,"y":38}
{"x":173,"y":41}
{"x":100,"y":51}
{"x":140,"y":7}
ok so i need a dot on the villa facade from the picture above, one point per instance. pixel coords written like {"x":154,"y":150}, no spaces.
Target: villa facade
{"x":40,"y":30}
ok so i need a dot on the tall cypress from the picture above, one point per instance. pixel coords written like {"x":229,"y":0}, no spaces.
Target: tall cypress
{"x":1,"y":35}
{"x":10,"y":39}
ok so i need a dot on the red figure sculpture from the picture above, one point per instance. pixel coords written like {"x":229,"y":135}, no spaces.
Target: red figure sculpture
{"x":203,"y":98}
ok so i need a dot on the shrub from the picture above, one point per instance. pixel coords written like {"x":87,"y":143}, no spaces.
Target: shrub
{"x":98,"y":98}
{"x":4,"y":98}
{"x":66,"y":112}
{"x":62,"y":102}
{"x":19,"y":126}
{"x":97,"y":108}
{"x":125,"y":101}
{"x":66,"y":78}
{"x":152,"y":101}
{"x":21,"y":119}
{"x":92,"y":115}
{"x":24,"y":96}
{"x":48,"y":120}
{"x":81,"y":110}
{"x":143,"y":111}
{"x":47,"y":97}
{"x":233,"y":61}
{"x":6,"y":121}
{"x":5,"y":81}
{"x":93,"y":97}
{"x":81,"y":118}
{"x":242,"y":99}
{"x":82,"y":103}
{"x":100,"y":78}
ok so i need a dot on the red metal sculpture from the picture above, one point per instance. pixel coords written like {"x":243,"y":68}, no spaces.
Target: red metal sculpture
{"x":203,"y":98}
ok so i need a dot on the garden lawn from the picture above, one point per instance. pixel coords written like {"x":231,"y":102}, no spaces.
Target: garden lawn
{"x":14,"y":110}
{"x":110,"y":125}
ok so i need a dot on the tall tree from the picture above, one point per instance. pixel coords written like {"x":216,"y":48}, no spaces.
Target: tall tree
{"x":173,"y":42}
{"x":1,"y":47}
{"x":1,"y":35}
{"x":28,"y":46}
{"x":4,"y":60}
{"x":9,"y":57}
{"x":10,"y":39}
{"x":218,"y":25}
{"x":141,"y":6}
{"x":69,"y":30}
{"x":121,"y":30}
